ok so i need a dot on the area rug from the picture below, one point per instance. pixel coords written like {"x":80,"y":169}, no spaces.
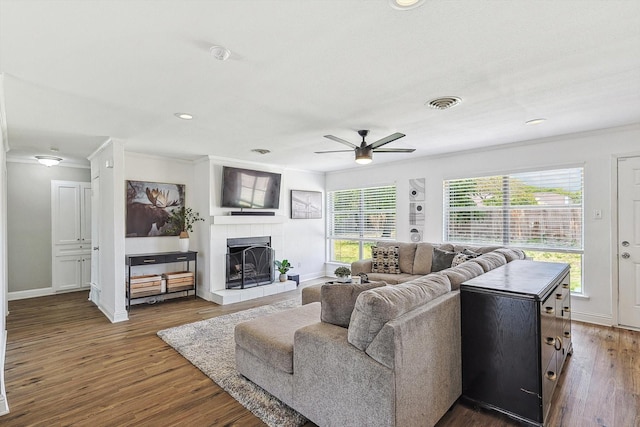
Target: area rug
{"x":209,"y":345}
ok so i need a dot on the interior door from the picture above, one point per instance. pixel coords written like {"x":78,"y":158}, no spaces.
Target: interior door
{"x":629,"y":241}
{"x":95,"y":234}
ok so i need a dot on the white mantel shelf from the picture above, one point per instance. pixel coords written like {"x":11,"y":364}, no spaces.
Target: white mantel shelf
{"x":246,"y":219}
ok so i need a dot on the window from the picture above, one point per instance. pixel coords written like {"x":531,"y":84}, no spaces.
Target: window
{"x":357,"y":218}
{"x":540,"y":212}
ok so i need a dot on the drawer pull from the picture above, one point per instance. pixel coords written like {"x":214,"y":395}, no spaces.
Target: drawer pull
{"x":548,"y":309}
{"x":558,"y":296}
{"x":565,"y":285}
{"x":551,"y":375}
{"x":558,"y":345}
{"x":550,"y":341}
{"x":149,"y":260}
{"x":182,"y":257}
{"x":567,"y":309}
{"x":567,"y":334}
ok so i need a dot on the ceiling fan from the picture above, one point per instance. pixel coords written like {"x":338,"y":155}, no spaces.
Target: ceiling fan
{"x":364,"y":152}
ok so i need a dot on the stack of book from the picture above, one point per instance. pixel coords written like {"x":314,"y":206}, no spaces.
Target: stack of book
{"x":179,"y":281}
{"x":142,"y":286}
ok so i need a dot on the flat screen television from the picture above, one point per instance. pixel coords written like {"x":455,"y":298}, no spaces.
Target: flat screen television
{"x":250,"y":189}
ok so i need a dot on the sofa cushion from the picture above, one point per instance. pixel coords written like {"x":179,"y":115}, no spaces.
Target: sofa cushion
{"x":441,"y":259}
{"x":270,"y":337}
{"x":406,"y":254}
{"x":390,"y":279}
{"x":511,"y":254}
{"x":423,"y":258}
{"x":462,"y":273}
{"x":338,"y":300}
{"x":376,"y":307}
{"x":385,"y":259}
{"x":490,"y":260}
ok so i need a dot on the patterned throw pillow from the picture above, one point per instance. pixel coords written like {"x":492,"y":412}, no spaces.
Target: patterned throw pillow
{"x":385,"y":260}
{"x":463,"y":256}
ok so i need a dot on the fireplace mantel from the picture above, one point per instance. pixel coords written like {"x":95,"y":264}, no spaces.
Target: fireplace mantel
{"x":246,"y":219}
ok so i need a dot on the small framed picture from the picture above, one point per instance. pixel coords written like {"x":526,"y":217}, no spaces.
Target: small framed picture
{"x":306,"y":204}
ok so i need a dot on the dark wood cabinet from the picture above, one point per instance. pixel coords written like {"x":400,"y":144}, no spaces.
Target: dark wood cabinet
{"x":516,"y":335}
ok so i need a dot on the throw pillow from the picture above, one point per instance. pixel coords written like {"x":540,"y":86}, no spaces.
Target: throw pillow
{"x":441,"y":259}
{"x":337,"y":301}
{"x":385,"y":260}
{"x":463,"y":256}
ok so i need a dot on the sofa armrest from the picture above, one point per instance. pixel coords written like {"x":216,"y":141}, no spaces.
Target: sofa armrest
{"x":362,"y":266}
{"x":337,"y":384}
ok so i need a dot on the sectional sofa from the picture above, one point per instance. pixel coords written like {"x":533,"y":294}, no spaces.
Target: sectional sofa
{"x":371,"y":354}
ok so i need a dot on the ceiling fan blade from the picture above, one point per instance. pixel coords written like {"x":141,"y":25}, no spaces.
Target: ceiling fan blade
{"x":333,"y":151}
{"x":340,"y":140}
{"x":394,"y":150}
{"x":388,"y":139}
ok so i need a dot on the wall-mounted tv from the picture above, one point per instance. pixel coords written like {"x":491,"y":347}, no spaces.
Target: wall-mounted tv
{"x":250,"y":189}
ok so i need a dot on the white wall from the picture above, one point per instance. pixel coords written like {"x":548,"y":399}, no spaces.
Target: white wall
{"x":596,"y":151}
{"x":4,"y":310}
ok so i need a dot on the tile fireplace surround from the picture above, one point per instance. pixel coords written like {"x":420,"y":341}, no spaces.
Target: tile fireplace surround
{"x":231,"y":227}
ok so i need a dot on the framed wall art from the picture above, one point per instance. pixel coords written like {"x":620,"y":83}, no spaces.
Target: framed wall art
{"x":151,"y":207}
{"x":306,"y":204}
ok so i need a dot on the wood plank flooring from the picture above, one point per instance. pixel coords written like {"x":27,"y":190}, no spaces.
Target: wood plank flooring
{"x":67,"y":365}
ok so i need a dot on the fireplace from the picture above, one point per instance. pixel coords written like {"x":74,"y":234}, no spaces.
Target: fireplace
{"x":249,"y":262}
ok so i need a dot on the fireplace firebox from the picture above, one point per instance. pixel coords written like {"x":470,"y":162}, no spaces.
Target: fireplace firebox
{"x":249,"y":262}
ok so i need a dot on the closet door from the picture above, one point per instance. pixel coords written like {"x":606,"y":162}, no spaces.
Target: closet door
{"x":65,"y":212}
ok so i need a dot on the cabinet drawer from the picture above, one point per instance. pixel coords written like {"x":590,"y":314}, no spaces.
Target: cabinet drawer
{"x":549,"y":379}
{"x":180,"y":257}
{"x":148,"y":259}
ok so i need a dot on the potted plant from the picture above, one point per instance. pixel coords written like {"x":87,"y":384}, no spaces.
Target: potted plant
{"x":283,"y":266}
{"x":182,"y":220}
{"x":342,"y":273}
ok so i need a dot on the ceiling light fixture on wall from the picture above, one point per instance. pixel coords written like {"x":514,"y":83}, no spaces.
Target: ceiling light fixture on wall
{"x":535,"y":121}
{"x":406,"y":4}
{"x":221,"y":53}
{"x":48,"y":161}
{"x":184,"y":116}
{"x":261,"y":151}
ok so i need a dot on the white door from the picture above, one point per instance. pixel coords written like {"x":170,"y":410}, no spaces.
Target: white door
{"x":95,"y":234}
{"x":85,"y":214}
{"x":65,"y":200}
{"x":629,"y":241}
{"x":67,"y":272}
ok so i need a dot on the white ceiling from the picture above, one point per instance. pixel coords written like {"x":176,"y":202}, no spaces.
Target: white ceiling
{"x":77,"y":72}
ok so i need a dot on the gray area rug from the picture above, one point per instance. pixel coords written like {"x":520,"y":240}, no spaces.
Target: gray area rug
{"x":209,"y":345}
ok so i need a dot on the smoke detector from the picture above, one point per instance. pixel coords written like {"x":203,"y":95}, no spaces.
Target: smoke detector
{"x":444,"y":102}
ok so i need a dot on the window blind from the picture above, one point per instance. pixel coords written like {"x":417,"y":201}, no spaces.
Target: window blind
{"x":537,"y":210}
{"x":362,"y":213}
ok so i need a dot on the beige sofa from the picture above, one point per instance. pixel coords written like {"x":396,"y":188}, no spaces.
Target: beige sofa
{"x":367,"y":354}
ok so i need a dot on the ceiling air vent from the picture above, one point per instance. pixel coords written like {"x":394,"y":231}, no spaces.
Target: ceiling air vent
{"x":444,"y":102}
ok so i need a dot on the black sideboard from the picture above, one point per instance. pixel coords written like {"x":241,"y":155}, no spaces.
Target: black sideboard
{"x":516,"y":335}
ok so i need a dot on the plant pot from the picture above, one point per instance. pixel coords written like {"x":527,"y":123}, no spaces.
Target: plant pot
{"x":343,"y":279}
{"x":283,"y":277}
{"x":183,"y":241}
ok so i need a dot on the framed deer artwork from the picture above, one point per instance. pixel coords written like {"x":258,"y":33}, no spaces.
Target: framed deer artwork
{"x":151,"y":207}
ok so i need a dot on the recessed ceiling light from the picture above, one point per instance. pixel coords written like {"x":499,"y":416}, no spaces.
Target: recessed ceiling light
{"x":535,"y":121}
{"x":261,"y":150}
{"x":406,"y":4}
{"x":444,"y":102}
{"x":184,"y":116}
{"x":221,"y":53}
{"x":48,"y":160}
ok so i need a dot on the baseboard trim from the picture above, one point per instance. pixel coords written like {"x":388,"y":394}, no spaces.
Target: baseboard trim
{"x":30,"y":293}
{"x":598,"y":319}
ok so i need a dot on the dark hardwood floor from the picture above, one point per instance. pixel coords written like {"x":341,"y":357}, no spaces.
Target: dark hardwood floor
{"x":66,"y":364}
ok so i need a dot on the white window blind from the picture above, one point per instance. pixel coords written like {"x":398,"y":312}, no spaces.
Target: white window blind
{"x":362,"y":213}
{"x":537,"y":210}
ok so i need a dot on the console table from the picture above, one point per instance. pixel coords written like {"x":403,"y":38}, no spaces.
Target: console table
{"x":516,"y":335}
{"x":163,"y":258}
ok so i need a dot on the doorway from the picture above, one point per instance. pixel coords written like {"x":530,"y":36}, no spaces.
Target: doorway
{"x":629,"y":241}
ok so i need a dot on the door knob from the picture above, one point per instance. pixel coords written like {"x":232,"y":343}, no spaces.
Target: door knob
{"x":625,"y":255}
{"x":95,"y":248}
{"x":625,"y":243}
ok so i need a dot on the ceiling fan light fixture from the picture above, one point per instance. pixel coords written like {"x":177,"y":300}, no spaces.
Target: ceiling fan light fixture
{"x":184,"y":116}
{"x":364,"y":156}
{"x":49,"y":161}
